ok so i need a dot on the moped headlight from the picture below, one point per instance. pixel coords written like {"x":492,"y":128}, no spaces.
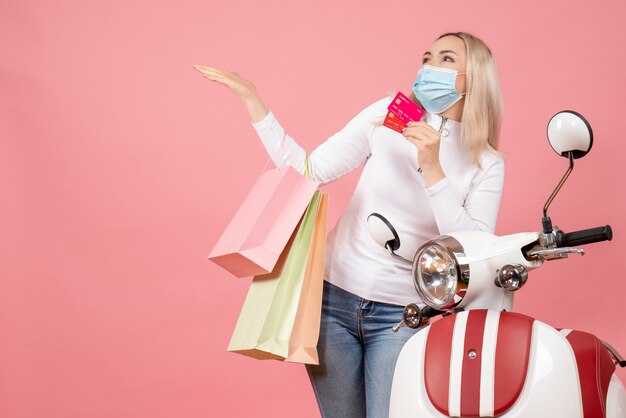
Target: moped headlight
{"x":441,"y":273}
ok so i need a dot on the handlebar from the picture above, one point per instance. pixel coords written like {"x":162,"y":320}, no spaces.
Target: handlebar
{"x":429,"y":312}
{"x":585,"y":236}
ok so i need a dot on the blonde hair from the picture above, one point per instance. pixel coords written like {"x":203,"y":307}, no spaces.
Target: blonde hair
{"x":482,"y":110}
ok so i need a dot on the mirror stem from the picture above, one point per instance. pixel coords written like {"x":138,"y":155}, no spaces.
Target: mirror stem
{"x":547,"y":223}
{"x":396,"y":256}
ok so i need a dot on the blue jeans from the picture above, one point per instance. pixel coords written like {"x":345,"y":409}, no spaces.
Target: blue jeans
{"x":358,"y":353}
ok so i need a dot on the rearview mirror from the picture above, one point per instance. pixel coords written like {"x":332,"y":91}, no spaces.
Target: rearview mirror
{"x":383,"y":232}
{"x":569,"y":131}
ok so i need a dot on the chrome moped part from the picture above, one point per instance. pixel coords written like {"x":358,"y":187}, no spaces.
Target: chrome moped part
{"x":441,"y":273}
{"x":512,"y":277}
{"x":554,"y":253}
{"x":412,"y":317}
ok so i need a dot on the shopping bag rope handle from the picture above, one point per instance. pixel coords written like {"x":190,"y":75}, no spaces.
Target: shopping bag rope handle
{"x":307,"y":170}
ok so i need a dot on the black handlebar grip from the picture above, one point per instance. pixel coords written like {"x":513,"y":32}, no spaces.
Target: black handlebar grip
{"x":429,"y":312}
{"x":586,"y":236}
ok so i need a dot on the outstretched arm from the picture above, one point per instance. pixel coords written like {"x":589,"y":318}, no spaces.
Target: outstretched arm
{"x":338,"y":155}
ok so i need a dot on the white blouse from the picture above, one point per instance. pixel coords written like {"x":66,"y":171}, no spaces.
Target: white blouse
{"x":468,"y":198}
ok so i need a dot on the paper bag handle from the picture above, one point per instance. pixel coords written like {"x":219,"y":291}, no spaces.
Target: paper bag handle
{"x":307,"y":170}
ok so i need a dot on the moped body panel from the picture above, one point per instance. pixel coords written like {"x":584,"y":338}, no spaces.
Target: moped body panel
{"x":549,"y":387}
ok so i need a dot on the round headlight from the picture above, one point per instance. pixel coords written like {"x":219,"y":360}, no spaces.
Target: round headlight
{"x":441,"y":273}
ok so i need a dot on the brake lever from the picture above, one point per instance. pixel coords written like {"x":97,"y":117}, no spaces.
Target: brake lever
{"x":554,"y":253}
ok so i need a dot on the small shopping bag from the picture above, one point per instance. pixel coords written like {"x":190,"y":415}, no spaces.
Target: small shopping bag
{"x":268,"y":315}
{"x":261,"y":227}
{"x":306,"y":329}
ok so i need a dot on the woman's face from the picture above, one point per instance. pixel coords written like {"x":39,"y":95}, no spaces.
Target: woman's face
{"x":448,"y":52}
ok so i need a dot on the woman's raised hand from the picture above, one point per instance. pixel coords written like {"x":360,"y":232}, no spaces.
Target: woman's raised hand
{"x":241,"y":87}
{"x":427,"y":141}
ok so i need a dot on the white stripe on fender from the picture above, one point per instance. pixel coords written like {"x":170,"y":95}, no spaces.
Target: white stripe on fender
{"x":488,"y":364}
{"x":456,"y":364}
{"x":565,"y":332}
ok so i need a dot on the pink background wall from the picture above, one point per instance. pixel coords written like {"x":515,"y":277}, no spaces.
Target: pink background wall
{"x":120,"y":165}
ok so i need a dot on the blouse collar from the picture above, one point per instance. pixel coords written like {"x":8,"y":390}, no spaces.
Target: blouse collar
{"x":452,"y":127}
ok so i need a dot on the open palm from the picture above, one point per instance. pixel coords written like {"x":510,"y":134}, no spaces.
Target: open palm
{"x":238,"y":85}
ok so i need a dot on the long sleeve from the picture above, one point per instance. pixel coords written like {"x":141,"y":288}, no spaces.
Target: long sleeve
{"x":479,"y":210}
{"x":338,"y":155}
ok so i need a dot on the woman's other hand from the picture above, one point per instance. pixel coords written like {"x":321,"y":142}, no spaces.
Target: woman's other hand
{"x":427,"y":141}
{"x":243,"y":88}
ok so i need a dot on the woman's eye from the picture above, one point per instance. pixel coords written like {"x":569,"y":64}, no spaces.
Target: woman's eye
{"x":448,"y":58}
{"x":424,"y":60}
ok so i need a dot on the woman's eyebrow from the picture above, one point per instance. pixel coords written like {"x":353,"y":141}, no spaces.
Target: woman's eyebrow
{"x":427,"y":53}
{"x":447,"y":51}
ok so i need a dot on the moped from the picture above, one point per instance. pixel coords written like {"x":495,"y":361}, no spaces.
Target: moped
{"x":481,"y":359}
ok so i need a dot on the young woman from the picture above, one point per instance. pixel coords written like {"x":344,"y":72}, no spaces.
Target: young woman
{"x":442,"y":174}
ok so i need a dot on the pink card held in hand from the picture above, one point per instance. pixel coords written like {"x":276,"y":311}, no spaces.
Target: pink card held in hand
{"x":405,"y":109}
